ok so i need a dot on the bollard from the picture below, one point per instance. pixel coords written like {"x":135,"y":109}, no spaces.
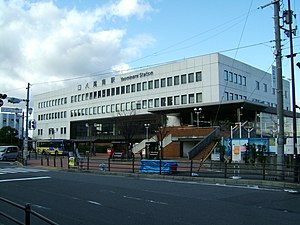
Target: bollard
{"x":42,"y":162}
{"x":133,"y":164}
{"x":27,"y":214}
{"x":47,"y":160}
{"x":54,"y":161}
{"x":191,"y":168}
{"x":225,"y":169}
{"x":61,"y":162}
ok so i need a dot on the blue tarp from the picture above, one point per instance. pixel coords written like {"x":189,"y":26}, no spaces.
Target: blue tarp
{"x":153,"y":166}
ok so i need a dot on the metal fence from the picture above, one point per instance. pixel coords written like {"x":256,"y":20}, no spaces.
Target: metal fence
{"x":27,"y":213}
{"x":184,"y":167}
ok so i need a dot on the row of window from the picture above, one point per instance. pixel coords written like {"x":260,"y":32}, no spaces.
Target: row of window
{"x":141,"y":86}
{"x":52,"y":131}
{"x":144,"y":104}
{"x":53,"y":102}
{"x":231,"y":96}
{"x":235,"y":78}
{"x":52,"y":116}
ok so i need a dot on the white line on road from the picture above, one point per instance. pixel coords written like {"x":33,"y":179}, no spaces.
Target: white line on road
{"x":95,"y":203}
{"x":146,"y":200}
{"x":24,"y":179}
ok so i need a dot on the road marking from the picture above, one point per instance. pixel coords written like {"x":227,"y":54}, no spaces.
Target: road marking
{"x":24,"y":179}
{"x":146,"y":200}
{"x":20,"y":170}
{"x":95,"y":203}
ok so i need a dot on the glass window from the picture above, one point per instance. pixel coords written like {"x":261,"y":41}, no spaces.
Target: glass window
{"x":231,"y":96}
{"x":265,"y":87}
{"x":122,"y":90}
{"x":226,"y":75}
{"x":103,"y":109}
{"x":257,"y":85}
{"x":176,"y":80}
{"x":191,"y":77}
{"x":170,"y":101}
{"x":240,"y":79}
{"x":198,"y":97}
{"x":244,"y":81}
{"x":150,"y":84}
{"x":150,"y":103}
{"x":138,"y":105}
{"x":117,"y":90}
{"x":169,"y":81}
{"x":235,"y":77}
{"x":113,"y":91}
{"x":103,"y":93}
{"x":127,"y":88}
{"x":198,"y":76}
{"x":118,"y":107}
{"x":122,"y":106}
{"x":133,"y":105}
{"x":156,"y":102}
{"x":144,"y":104}
{"x":139,"y":87}
{"x":156,"y":84}
{"x":183,"y":79}
{"x":133,"y":88}
{"x":99,"y":95}
{"x":144,"y":86}
{"x":128,"y":106}
{"x":108,"y":92}
{"x":163,"y":82}
{"x":230,"y":76}
{"x":183,"y":99}
{"x":176,"y":100}
{"x":163,"y":101}
{"x":113,"y":108}
{"x":191,"y":98}
{"x":108,"y":108}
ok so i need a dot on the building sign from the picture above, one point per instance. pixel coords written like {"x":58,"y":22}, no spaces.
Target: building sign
{"x":140,"y":75}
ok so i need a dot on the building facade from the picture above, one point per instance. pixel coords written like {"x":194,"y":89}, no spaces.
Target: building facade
{"x":12,"y":117}
{"x":221,"y":89}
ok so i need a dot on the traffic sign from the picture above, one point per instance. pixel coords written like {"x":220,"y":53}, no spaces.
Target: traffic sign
{"x":1,"y":102}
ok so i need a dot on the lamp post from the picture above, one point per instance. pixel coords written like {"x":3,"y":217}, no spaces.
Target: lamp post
{"x":198,"y":112}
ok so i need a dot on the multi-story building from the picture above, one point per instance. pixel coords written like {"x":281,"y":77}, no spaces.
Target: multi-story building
{"x":224,"y":89}
{"x":12,"y":117}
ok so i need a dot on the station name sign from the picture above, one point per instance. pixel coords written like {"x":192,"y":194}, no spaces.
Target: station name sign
{"x":140,"y":75}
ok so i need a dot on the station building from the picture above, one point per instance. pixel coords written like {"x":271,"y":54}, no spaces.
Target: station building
{"x":205,"y":91}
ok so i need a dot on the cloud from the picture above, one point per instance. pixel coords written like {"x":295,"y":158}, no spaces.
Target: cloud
{"x":40,"y":42}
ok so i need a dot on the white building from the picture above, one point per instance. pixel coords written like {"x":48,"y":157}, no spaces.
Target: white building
{"x":12,"y":117}
{"x":226,"y":90}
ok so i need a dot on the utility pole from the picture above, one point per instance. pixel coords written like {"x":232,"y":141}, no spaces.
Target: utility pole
{"x":278,"y":56}
{"x":288,"y":16}
{"x":25,"y":150}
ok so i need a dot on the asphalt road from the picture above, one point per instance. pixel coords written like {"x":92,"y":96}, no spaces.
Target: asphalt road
{"x":83,"y":198}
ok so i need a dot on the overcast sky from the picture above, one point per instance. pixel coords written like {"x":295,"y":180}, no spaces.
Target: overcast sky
{"x":51,"y":44}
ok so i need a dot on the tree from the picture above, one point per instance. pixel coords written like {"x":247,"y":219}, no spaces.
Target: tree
{"x":9,"y":136}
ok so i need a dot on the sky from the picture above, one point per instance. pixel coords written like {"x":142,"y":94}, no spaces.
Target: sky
{"x":57,"y":43}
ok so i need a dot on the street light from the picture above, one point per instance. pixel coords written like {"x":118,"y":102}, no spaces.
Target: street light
{"x":198,"y":112}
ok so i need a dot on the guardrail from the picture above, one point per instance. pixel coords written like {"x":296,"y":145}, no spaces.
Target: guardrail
{"x":184,"y":167}
{"x":27,"y":211}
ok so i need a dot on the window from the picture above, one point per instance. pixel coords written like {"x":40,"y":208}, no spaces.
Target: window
{"x":170,"y":101}
{"x":176,"y":80}
{"x":156,"y":84}
{"x":113,"y":91}
{"x":108,"y":108}
{"x":230,"y":76}
{"x":236,"y":96}
{"x":163,"y":82}
{"x":150,"y":84}
{"x":198,"y":97}
{"x":176,"y":100}
{"x":122,"y":90}
{"x":169,"y":81}
{"x":240,"y":79}
{"x":133,"y":88}
{"x":235,"y":77}
{"x":127,"y":88}
{"x":226,"y":96}
{"x":156,"y":102}
{"x":191,"y":98}
{"x":257,"y":85}
{"x":244,"y":81}
{"x":198,"y":76}
{"x":163,"y":101}
{"x":231,"y":96}
{"x":117,"y":90}
{"x":99,"y":95}
{"x":108,"y":92}
{"x":191,"y":77}
{"x":139,"y":87}
{"x":118,"y":107}
{"x":103,"y":93}
{"x":183,"y":99}
{"x":144,"y":86}
{"x":128,"y":106}
{"x":144,"y":104}
{"x":265,"y":88}
{"x":150,"y":103}
{"x":183,"y":79}
{"x":226,"y":75}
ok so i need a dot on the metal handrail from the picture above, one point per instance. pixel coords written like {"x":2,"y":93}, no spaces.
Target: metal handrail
{"x":28,"y":212}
